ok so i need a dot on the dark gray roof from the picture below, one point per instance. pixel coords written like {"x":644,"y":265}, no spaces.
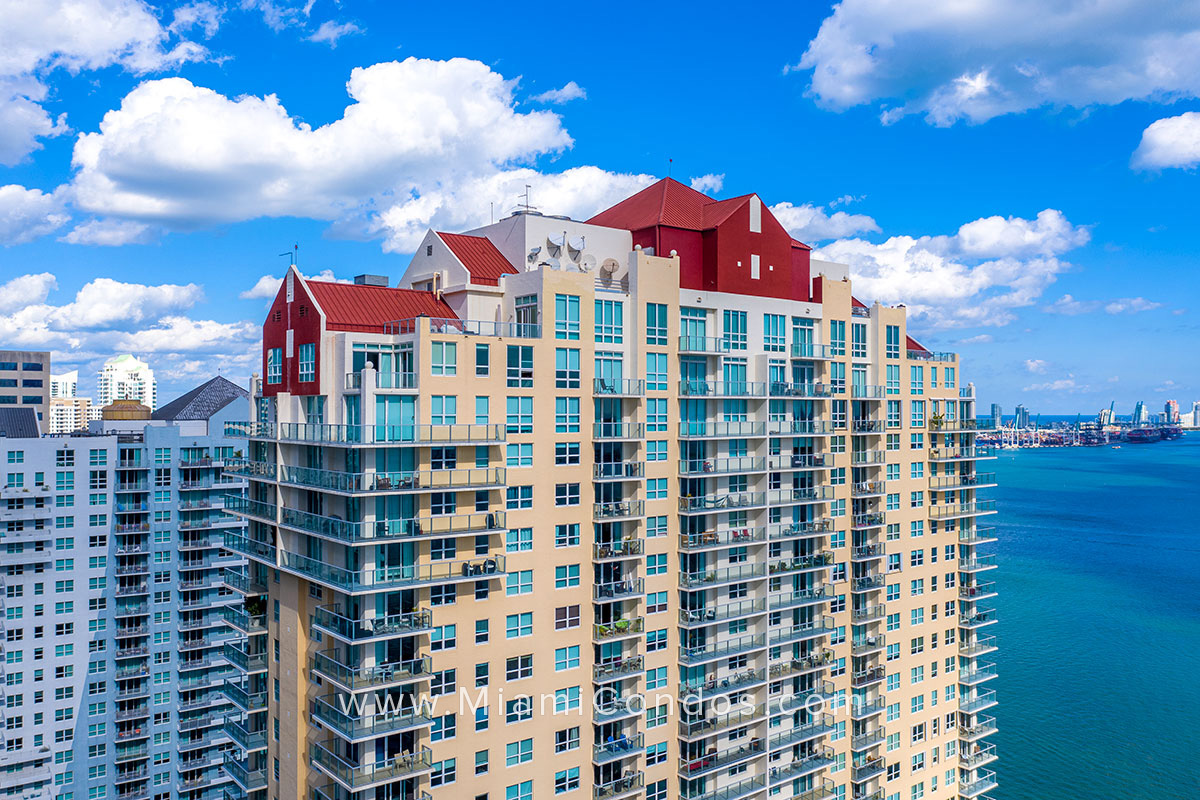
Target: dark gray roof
{"x":203,"y":401}
{"x":18,"y":423}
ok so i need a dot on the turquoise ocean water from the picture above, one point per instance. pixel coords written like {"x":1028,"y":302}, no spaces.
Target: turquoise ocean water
{"x":1099,"y":683}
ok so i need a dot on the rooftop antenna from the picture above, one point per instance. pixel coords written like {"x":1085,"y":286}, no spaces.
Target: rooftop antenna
{"x":526,"y":206}
{"x":670,"y":164}
{"x":492,"y":212}
{"x":291,"y":254}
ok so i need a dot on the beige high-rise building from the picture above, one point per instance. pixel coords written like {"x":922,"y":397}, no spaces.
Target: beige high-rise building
{"x":70,"y":414}
{"x":644,"y":506}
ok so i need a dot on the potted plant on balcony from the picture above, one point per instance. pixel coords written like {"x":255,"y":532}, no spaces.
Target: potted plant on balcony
{"x":621,"y":625}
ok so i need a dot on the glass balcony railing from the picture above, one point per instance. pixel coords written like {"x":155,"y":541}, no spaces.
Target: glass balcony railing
{"x":710,"y":725}
{"x":618,"y":387}
{"x":364,"y":724}
{"x":808,"y":350}
{"x":625,"y":785}
{"x":725,"y":500}
{"x":393,"y":577}
{"x":618,"y":470}
{"x":383,"y":380}
{"x":724,"y":648}
{"x":332,"y":620}
{"x":615,"y":591}
{"x":801,"y":390}
{"x":735,"y":429}
{"x":794,"y":530}
{"x":623,"y":509}
{"x":957,"y":510}
{"x":781,"y":601}
{"x":718,"y":575}
{"x":723,"y":466}
{"x":355,"y":678}
{"x":360,"y":776}
{"x":722,"y":538}
{"x":618,"y":430}
{"x":694,"y":388}
{"x":415,"y":434}
{"x":619,"y":669}
{"x":720,"y":612}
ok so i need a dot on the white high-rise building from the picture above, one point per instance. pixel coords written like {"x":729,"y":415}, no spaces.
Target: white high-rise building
{"x":125,"y":377}
{"x":70,"y":414}
{"x":65,"y":385}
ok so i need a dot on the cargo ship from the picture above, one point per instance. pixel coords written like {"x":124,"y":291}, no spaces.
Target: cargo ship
{"x":1143,"y":435}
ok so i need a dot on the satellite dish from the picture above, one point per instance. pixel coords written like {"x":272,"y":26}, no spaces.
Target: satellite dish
{"x":554,"y":244}
{"x":552,"y":263}
{"x":610,"y":265}
{"x":533,"y":254}
{"x":587,"y":263}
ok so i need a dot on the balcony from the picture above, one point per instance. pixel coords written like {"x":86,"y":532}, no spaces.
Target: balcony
{"x":614,"y":551}
{"x":977,"y":508}
{"x":976,"y":645}
{"x":618,"y":431}
{"x":866,"y":645}
{"x":721,"y":612}
{"x":252,"y":548}
{"x":980,"y":618}
{"x":865,"y":489}
{"x":376,"y":676}
{"x":618,"y":387}
{"x":724,"y":648}
{"x":867,"y":552}
{"x":371,"y":532}
{"x":977,"y":563}
{"x":250,"y":780}
{"x":867,"y":426}
{"x":867,"y":677}
{"x":624,"y":786}
{"x":368,"y":629}
{"x":978,"y":701}
{"x":977,"y":674}
{"x":806,"y":461}
{"x":806,"y":391}
{"x":799,"y":530}
{"x":863,"y":709}
{"x":383,"y":380}
{"x":874,"y":519}
{"x":974,"y":592}
{"x":799,"y":427}
{"x":712,"y":686}
{"x":798,"y":598}
{"x":945,"y":454}
{"x":976,"y":535}
{"x":438,"y":480}
{"x":736,"y":429}
{"x":708,"y":345}
{"x":983,"y":727}
{"x":394,"y":577}
{"x":801,"y":631}
{"x":867,"y":583}
{"x":810,"y":351}
{"x":413,"y":434}
{"x":695,"y":766}
{"x":707,"y":726}
{"x":868,"y":739}
{"x":813,"y":662}
{"x":366,"y":725}
{"x":717,"y":576}
{"x":985,"y":781}
{"x":465,"y":327}
{"x":867,"y":614}
{"x":618,"y":629}
{"x":615,"y":512}
{"x":866,"y":458}
{"x":617,"y":591}
{"x":706,"y":504}
{"x":618,"y":471}
{"x":976,"y":480}
{"x":740,"y":465}
{"x":799,"y":767}
{"x":617,"y":748}
{"x":722,"y":389}
{"x":248,"y":624}
{"x":926,"y":355}
{"x":865,"y":769}
{"x":246,"y":701}
{"x":798,"y":495}
{"x":721,"y":538}
{"x":805,"y":563}
{"x":860,"y":392}
{"x":618,"y":670}
{"x":243,"y":584}
{"x":357,"y":777}
{"x":248,"y":663}
{"x":798,"y":734}
{"x":735,"y":791}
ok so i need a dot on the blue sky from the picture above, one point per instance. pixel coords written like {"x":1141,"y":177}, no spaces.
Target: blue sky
{"x":1023,"y":179}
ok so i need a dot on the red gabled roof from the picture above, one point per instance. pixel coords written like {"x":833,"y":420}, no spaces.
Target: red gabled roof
{"x":667,"y":202}
{"x":479,"y":256}
{"x":913,"y":344}
{"x":856,"y":303}
{"x":355,"y":307}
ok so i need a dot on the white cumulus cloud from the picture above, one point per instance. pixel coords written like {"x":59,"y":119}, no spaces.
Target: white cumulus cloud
{"x":975,"y":61}
{"x":1170,"y":142}
{"x":1068,"y":305}
{"x":26,"y":214}
{"x":978,"y":276}
{"x":267,"y":286}
{"x":709,"y":184}
{"x":570,"y":91}
{"x":810,"y":223}
{"x":1035,"y":365}
{"x":76,"y":35}
{"x":422,"y":143}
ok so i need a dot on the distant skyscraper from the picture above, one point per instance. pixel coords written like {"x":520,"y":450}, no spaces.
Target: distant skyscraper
{"x":997,"y":412}
{"x":1171,"y":411}
{"x":1021,"y":419}
{"x":70,"y":414}
{"x":1141,"y":415}
{"x":127,"y":378}
{"x":65,"y":385}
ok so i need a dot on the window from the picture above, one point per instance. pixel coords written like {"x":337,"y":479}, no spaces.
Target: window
{"x":566,"y":415}
{"x":483,"y":360}
{"x":518,"y":668}
{"x":275,"y":365}
{"x":837,"y":337}
{"x":656,"y":564}
{"x":566,"y":781}
{"x":566,"y":316}
{"x":566,"y":453}
{"x":566,"y":617}
{"x":610,"y":324}
{"x":917,"y":379}
{"x":566,"y":368}
{"x":774,"y":332}
{"x":735,"y":330}
{"x":520,"y":365}
{"x":566,"y":700}
{"x":656,"y":414}
{"x":517,"y":497}
{"x":656,"y":488}
{"x":566,"y":658}
{"x":308,"y":362}
{"x":656,"y":323}
{"x":444,"y":360}
{"x":518,"y":710}
{"x":858,"y":340}
{"x":442,"y":638}
{"x":443,"y":409}
{"x":519,"y":583}
{"x":893,"y":341}
{"x":518,"y":752}
{"x":656,"y":450}
{"x":443,"y":772}
{"x":566,"y":535}
{"x":519,"y":455}
{"x":566,"y":740}
{"x":519,"y":414}
{"x":566,"y":576}
{"x":518,"y":625}
{"x":518,"y":540}
{"x":566,"y":494}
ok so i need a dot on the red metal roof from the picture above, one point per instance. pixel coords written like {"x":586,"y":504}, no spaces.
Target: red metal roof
{"x":667,"y":202}
{"x":913,"y":344}
{"x":354,"y":307}
{"x":856,"y":303}
{"x":479,"y":256}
